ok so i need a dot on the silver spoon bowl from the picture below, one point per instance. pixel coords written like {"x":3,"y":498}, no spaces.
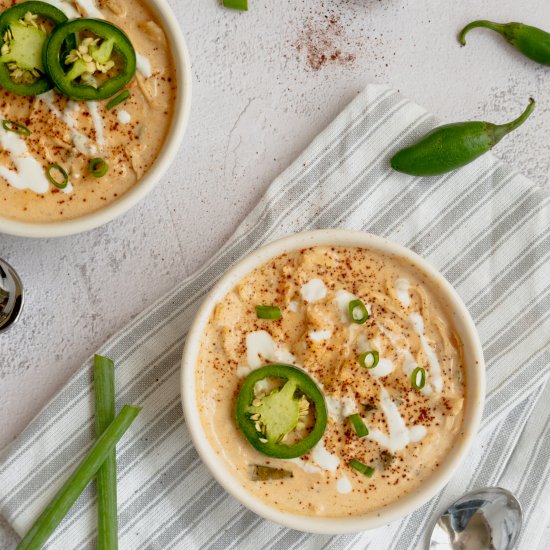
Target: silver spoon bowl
{"x":11,"y":296}
{"x":485,"y":519}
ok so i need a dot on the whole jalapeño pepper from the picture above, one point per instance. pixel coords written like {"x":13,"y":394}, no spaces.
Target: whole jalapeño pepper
{"x":532,"y":42}
{"x":451,"y":146}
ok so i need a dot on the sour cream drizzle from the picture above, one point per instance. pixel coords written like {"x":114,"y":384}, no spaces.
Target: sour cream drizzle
{"x":319,"y":335}
{"x":98,"y":122}
{"x":124,"y":118}
{"x":399,"y":435}
{"x":339,"y":409}
{"x":260,"y":344}
{"x":342,"y":298}
{"x":435,"y":369}
{"x":402,"y":288}
{"x":326,"y":460}
{"x":143,"y":65}
{"x":80,"y":141}
{"x":344,"y":486}
{"x":28,"y":173}
{"x":314,"y":290}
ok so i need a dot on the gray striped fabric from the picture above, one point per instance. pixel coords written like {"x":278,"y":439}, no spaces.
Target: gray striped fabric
{"x":485,"y":227}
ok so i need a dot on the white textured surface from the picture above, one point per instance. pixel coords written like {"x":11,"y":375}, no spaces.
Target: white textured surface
{"x":256,"y":104}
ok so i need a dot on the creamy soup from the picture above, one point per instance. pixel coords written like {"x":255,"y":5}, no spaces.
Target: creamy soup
{"x":412,"y":421}
{"x":71,"y":133}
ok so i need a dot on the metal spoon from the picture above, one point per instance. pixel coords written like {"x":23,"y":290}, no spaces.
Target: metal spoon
{"x":485,"y":519}
{"x":11,"y":296}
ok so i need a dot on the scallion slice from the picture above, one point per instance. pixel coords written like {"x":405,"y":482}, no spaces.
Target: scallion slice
{"x":118,"y":99}
{"x":61,"y":503}
{"x":361,"y":468}
{"x":358,"y":425}
{"x":418,"y":378}
{"x":268,"y":312}
{"x":358,"y":312}
{"x":16,"y":127}
{"x":241,"y":5}
{"x":369,"y":359}
{"x":55,"y":180}
{"x":98,"y":167}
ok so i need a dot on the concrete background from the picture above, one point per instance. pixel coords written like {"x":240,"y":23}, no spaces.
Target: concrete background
{"x":260,"y":96}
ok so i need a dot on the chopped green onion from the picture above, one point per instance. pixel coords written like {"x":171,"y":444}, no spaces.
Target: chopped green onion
{"x":369,"y":359}
{"x":241,"y":5}
{"x":361,"y":468}
{"x":358,"y":312}
{"x":55,"y":181}
{"x":117,"y":100}
{"x":107,"y":517}
{"x":358,"y":425}
{"x":11,"y":126}
{"x":98,"y":167}
{"x":416,"y":384}
{"x":268,"y":312}
{"x":61,"y":503}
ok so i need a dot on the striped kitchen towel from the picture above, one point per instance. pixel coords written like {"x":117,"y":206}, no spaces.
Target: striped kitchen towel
{"x":485,"y":227}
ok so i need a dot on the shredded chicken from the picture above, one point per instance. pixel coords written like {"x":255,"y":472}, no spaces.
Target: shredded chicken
{"x":153,"y":31}
{"x":145,"y":91}
{"x":114,"y":5}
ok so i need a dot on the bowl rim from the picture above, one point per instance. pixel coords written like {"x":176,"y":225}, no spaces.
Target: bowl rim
{"x":475,"y":385}
{"x":150,"y":179}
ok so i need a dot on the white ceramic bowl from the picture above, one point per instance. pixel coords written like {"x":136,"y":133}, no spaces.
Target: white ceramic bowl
{"x":167,"y":154}
{"x":475,"y":385}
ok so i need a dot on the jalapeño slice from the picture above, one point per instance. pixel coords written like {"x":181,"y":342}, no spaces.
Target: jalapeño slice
{"x":75,"y":72}
{"x":22,"y":41}
{"x":267,"y":420}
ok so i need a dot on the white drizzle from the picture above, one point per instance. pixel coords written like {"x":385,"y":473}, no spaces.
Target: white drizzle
{"x":293,"y":306}
{"x":314,"y":290}
{"x":342,"y":298}
{"x":124,"y":117}
{"x":98,"y":122}
{"x":28,"y":173}
{"x":143,"y":65}
{"x":435,"y":369}
{"x":402,"y":288}
{"x":306,"y":466}
{"x":80,"y":141}
{"x":399,"y":435}
{"x":344,"y":486}
{"x":319,"y":335}
{"x":339,"y":409}
{"x":260,"y":344}
{"x":324,"y":459}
